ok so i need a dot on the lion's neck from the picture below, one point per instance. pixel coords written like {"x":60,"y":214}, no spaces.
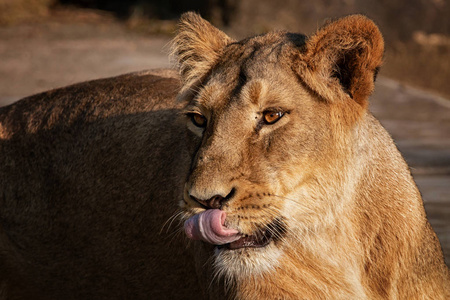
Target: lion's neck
{"x":322,"y":265}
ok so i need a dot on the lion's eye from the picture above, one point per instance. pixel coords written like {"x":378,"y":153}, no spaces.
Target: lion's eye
{"x":271,"y":117}
{"x":198,"y":120}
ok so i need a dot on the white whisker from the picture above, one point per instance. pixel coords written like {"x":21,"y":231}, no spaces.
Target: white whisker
{"x":170,"y":221}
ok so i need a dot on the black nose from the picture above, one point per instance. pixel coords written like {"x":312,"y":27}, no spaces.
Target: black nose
{"x":215,"y":202}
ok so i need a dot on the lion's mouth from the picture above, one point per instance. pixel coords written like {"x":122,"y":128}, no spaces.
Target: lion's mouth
{"x":209,"y":226}
{"x":261,"y":238}
{"x":252,"y":241}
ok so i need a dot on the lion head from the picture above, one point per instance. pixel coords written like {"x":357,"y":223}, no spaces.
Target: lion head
{"x":272,"y":120}
{"x":295,"y":190}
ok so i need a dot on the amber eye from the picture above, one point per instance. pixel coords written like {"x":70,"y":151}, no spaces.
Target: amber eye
{"x":271,"y":117}
{"x":198,"y":120}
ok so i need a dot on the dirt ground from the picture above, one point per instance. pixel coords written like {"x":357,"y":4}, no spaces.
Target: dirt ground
{"x":41,"y":56}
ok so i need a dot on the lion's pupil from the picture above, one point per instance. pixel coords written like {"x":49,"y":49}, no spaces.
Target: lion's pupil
{"x":272,"y":117}
{"x":199,"y":120}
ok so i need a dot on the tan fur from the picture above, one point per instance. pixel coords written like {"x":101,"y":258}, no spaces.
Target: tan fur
{"x":92,"y":175}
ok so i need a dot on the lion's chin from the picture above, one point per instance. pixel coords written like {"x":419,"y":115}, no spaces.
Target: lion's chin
{"x":237,"y":261}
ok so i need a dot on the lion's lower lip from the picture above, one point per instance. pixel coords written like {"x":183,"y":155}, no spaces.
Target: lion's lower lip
{"x":252,"y":241}
{"x":261,"y":238}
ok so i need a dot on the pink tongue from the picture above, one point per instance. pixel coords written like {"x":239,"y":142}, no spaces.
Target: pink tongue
{"x":208,"y":226}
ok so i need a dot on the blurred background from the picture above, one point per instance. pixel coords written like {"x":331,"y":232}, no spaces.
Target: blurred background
{"x":417,"y":32}
{"x":46,"y":44}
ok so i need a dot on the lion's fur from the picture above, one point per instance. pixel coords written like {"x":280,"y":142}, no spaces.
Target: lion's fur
{"x":92,"y":175}
{"x":82,"y":211}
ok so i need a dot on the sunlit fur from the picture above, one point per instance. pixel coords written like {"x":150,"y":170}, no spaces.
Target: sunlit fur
{"x":355,"y":223}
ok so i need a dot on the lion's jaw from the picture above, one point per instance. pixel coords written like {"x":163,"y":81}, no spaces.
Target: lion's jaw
{"x":304,"y":223}
{"x":246,"y":262}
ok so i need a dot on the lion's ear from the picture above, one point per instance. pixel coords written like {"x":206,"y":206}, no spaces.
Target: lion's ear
{"x":342,"y":59}
{"x":196,"y":47}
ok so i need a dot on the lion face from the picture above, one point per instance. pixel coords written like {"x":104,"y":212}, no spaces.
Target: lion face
{"x":264,"y":140}
{"x":243,"y":126}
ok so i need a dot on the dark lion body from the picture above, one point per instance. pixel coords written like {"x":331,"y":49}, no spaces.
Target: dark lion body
{"x":79,"y":214}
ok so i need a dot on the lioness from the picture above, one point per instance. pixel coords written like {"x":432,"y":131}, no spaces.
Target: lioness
{"x":288,"y":187}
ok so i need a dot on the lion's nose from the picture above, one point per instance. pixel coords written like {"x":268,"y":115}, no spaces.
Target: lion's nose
{"x":215,"y":202}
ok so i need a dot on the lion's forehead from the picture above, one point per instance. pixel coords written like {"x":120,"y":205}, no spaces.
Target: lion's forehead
{"x":254,"y":56}
{"x":270,"y":46}
{"x":275,"y":87}
{"x":254,"y":73}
